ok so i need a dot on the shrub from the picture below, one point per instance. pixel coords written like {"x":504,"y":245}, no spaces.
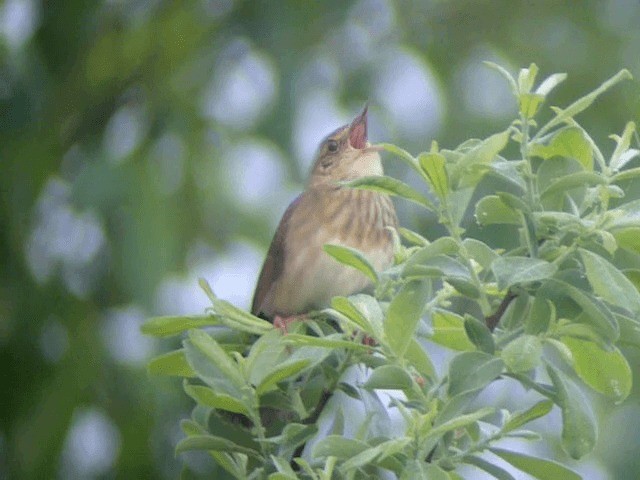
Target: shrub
{"x":529,"y":285}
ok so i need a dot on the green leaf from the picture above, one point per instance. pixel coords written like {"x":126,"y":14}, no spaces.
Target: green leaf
{"x":346,"y":307}
{"x":610,"y":283}
{"x":578,"y":179}
{"x":338,"y":446}
{"x":536,"y":467}
{"x":519,"y":419}
{"x":505,"y":74}
{"x":280,"y":373}
{"x":405,"y":156}
{"x":352,"y":258}
{"x":391,"y":377}
{"x":583,"y":103}
{"x":172,"y":325}
{"x":579,"y":432}
{"x":551,"y":82}
{"x":541,"y":315}
{"x":433,"y":166}
{"x":212,"y":363}
{"x":331,"y":342}
{"x":172,"y":363}
{"x":212,"y":443}
{"x":460,"y":421}
{"x":413,"y":237}
{"x":569,"y":142}
{"x":207,"y":397}
{"x":449,"y":331}
{"x":471,"y":371}
{"x":233,"y":316}
{"x":391,"y":186}
{"x":596,"y":312}
{"x":629,"y":331}
{"x":479,"y":334}
{"x":526,"y":78}
{"x":488,"y":467}
{"x":403,"y":314}
{"x":485,"y":152}
{"x":419,"y":358}
{"x":522,"y":354}
{"x":607,"y":372}
{"x":515,"y":270}
{"x":618,"y":158}
{"x":441,"y":246}
{"x":491,"y":210}
{"x":628,"y":238}
{"x":480,"y":252}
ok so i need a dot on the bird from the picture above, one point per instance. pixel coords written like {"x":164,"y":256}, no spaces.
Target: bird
{"x":297,"y":275}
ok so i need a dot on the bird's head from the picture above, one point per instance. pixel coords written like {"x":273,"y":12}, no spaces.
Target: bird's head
{"x":346,"y":154}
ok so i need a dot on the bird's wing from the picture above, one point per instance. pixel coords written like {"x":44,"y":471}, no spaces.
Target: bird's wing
{"x":274,"y":263}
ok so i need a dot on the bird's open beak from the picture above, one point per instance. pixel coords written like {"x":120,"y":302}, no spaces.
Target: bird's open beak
{"x":358,"y":130}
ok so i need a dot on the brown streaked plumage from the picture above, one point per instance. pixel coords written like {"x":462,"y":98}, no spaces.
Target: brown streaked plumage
{"x":297,"y":275}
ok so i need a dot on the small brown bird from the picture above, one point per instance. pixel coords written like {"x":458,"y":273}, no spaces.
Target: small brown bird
{"x":298,"y":275}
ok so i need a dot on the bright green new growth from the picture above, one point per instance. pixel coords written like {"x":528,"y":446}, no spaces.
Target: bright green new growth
{"x":550,"y":312}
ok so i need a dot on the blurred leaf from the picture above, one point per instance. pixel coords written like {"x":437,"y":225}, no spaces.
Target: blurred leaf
{"x":172,"y":325}
{"x":609,"y":283}
{"x":352,"y":258}
{"x":505,"y":74}
{"x":391,"y":186}
{"x":471,"y":371}
{"x":491,"y":210}
{"x":403,"y":314}
{"x":518,"y":419}
{"x":522,"y":354}
{"x":172,"y":363}
{"x":579,"y":432}
{"x":449,"y":331}
{"x":607,"y":372}
{"x":391,"y":377}
{"x":536,"y":467}
{"x":515,"y":270}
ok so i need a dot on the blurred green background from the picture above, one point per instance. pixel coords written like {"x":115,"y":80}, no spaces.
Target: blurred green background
{"x":146,"y":143}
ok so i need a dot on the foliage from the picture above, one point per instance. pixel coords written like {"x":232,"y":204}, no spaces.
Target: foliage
{"x":549,"y":312}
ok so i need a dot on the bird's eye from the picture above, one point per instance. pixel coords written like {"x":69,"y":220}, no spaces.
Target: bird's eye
{"x":332,"y":146}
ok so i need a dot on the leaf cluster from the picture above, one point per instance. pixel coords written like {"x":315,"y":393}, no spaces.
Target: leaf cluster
{"x":551,"y":314}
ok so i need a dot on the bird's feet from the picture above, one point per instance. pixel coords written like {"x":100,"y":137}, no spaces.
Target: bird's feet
{"x":282,"y":323}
